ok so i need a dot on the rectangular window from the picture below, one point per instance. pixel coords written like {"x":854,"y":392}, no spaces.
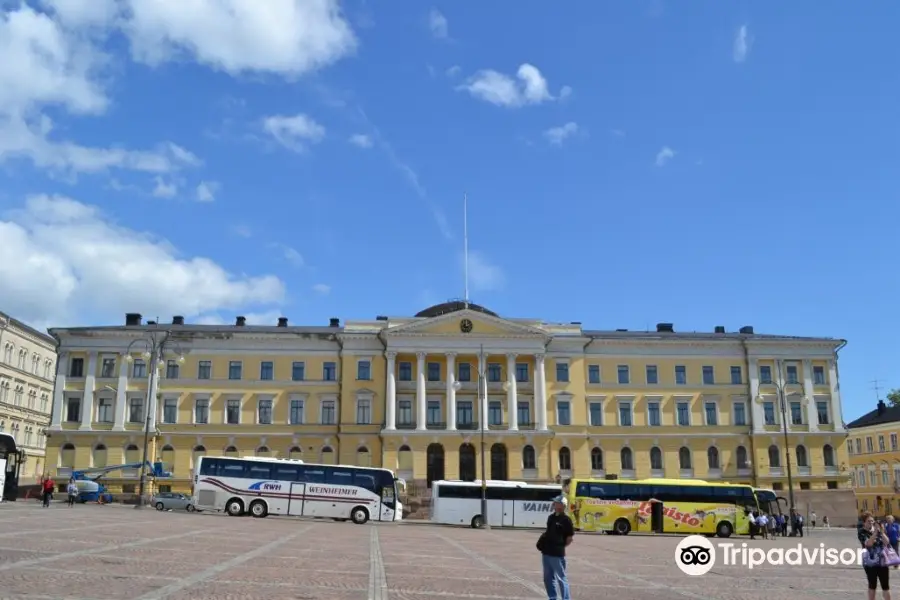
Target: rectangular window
{"x":524,"y":414}
{"x":464,"y":372}
{"x":562,"y":372}
{"x":596,"y":414}
{"x":893,"y":445}
{"x":495,"y":413}
{"x":653,"y":415}
{"x":625,"y":414}
{"x":405,"y":371}
{"x":364,"y":370}
{"x":712,"y":415}
{"x":201,"y":411}
{"x":73,"y":409}
{"x":684,"y":413}
{"x":170,"y":410}
{"x":204,"y":369}
{"x":105,"y":410}
{"x":434,"y":371}
{"x":740,"y":414}
{"x":433,"y":415}
{"x":858,"y":446}
{"x":172,"y":369}
{"x":769,"y":413}
{"x":298,"y":371}
{"x":593,"y":373}
{"x":680,"y":375}
{"x":464,"y":416}
{"x":881,"y":443}
{"x":233,"y":411}
{"x":235,"y":370}
{"x":328,"y":413}
{"x":266,"y":371}
{"x":297,"y":412}
{"x":363,"y":411}
{"x":404,"y":412}
{"x":737,"y":376}
{"x":796,"y":413}
{"x":792,"y":374}
{"x":522,"y":372}
{"x":329,"y":371}
{"x":76,"y":367}
{"x":265,"y":411}
{"x":869,"y":447}
{"x":822,"y":410}
{"x":139,"y":369}
{"x":494,"y":372}
{"x":765,"y":374}
{"x":563,"y":413}
{"x":135,"y":410}
{"x":818,"y":375}
{"x":709,"y":375}
{"x":108,"y":369}
{"x":652,"y":375}
{"x":624,"y":374}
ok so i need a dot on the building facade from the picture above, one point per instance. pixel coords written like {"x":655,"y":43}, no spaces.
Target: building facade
{"x":874,"y":453}
{"x":403,"y":393}
{"x":27,"y":370}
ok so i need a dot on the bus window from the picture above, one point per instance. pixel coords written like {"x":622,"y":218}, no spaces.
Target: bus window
{"x":337,"y":476}
{"x":209,"y":466}
{"x":583,"y":490}
{"x":366,"y":480}
{"x":255,"y":470}
{"x":608,"y":491}
{"x":284,"y":472}
{"x":231,"y":468}
{"x":311,"y":474}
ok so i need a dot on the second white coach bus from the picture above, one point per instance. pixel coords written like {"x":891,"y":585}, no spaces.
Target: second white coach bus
{"x":271,"y":486}
{"x":509,"y":503}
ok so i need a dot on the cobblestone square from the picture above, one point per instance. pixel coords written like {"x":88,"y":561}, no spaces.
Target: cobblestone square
{"x":116,"y":552}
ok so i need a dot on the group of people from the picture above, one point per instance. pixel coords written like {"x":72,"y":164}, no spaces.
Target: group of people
{"x":881,"y":539}
{"x":765,"y":525}
{"x":48,"y":486}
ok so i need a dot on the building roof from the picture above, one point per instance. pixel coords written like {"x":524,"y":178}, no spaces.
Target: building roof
{"x":881,"y":415}
{"x":5,"y":318}
{"x":452,"y":306}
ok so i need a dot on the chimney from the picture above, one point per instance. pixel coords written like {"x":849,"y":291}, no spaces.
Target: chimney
{"x":575,"y":323}
{"x":881,"y":407}
{"x":720,"y":329}
{"x":665,"y":328}
{"x":333,"y":322}
{"x":132,"y":319}
{"x":621,"y":330}
{"x":179,"y":320}
{"x":381,"y":318}
{"x":282,"y":322}
{"x":151,"y":322}
{"x":240,"y":321}
{"x":747,"y":330}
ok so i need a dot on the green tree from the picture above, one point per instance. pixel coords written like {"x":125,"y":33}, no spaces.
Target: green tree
{"x":893,"y":397}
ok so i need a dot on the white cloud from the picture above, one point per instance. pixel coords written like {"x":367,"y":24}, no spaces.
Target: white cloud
{"x":269,"y":317}
{"x":664,"y":156}
{"x":360,"y":140}
{"x":242,"y":231}
{"x":454,"y":71}
{"x":294,"y":133}
{"x":557,"y":135}
{"x":290,"y":254}
{"x":483,"y":275}
{"x":164,"y":190}
{"x":529,"y":87}
{"x":206,"y":191}
{"x":322,"y":288}
{"x":438,"y":25}
{"x":61,"y":259}
{"x":742,"y":44}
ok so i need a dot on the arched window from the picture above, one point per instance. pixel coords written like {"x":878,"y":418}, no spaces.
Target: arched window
{"x":499,"y":462}
{"x":434,"y":467}
{"x":328,"y":456}
{"x":565,"y":459}
{"x":132,"y":454}
{"x":231,"y":451}
{"x":99,"y":456}
{"x":363,"y":458}
{"x":67,"y":456}
{"x":596,"y":459}
{"x":802,"y":458}
{"x":828,"y":455}
{"x":263,"y":451}
{"x":774,"y":456}
{"x":684,"y":458}
{"x":712,"y":457}
{"x":627,"y":458}
{"x":467,"y":467}
{"x":742,"y":458}
{"x":196,"y":453}
{"x":167,"y":456}
{"x":656,"y":459}
{"x":529,"y":460}
{"x":296,"y":452}
{"x":405,"y":459}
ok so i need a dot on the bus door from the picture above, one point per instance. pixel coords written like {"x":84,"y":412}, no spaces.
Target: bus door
{"x":656,"y":517}
{"x":295,"y":503}
{"x":508,"y":519}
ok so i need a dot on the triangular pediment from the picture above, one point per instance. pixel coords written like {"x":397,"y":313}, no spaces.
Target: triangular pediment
{"x":458,"y":323}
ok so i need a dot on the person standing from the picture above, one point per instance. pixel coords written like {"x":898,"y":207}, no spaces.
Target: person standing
{"x":72,"y":490}
{"x":812,"y":520}
{"x":892,"y":529}
{"x":47,"y":489}
{"x":874,"y":540}
{"x":552,"y":545}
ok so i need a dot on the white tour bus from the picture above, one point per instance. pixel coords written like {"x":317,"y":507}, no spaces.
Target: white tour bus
{"x":272,"y":486}
{"x":509,"y":503}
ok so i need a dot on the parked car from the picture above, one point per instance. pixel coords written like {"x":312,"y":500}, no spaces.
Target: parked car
{"x":172,"y":501}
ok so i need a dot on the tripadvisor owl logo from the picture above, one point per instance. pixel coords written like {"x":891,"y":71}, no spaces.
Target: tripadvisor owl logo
{"x":695,"y":555}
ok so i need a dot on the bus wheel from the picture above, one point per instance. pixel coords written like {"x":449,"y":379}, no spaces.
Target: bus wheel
{"x":259,"y":509}
{"x":477,"y":522}
{"x":725,"y":529}
{"x":622,"y":527}
{"x":359,"y":515}
{"x":235,"y":507}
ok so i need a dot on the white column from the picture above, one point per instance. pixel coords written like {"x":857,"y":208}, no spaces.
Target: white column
{"x":451,"y":391}
{"x":812,"y":415}
{"x":420,"y":392}
{"x":87,"y":400}
{"x":837,"y":415}
{"x":540,"y":392}
{"x":390,"y":403}
{"x":511,"y":395}
{"x":483,"y":391}
{"x":153,"y":389}
{"x":121,"y":408}
{"x":756,"y":407}
{"x":59,"y":392}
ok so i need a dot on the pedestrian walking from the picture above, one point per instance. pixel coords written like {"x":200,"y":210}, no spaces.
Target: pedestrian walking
{"x":72,"y":491}
{"x":47,"y":489}
{"x":552,"y":545}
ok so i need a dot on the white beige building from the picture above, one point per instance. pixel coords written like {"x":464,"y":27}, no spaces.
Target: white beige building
{"x":27,"y":371}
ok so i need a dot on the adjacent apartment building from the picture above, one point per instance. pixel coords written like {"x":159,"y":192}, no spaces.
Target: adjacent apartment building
{"x":27,"y":373}
{"x":402,"y":392}
{"x":875,"y":459}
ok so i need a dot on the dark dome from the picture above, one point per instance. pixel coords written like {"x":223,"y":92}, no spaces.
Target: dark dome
{"x":453,"y":306}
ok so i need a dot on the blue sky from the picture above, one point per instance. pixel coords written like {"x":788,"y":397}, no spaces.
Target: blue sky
{"x":704,"y":164}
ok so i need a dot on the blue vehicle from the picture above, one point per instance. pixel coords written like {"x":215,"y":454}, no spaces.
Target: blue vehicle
{"x":91,"y":490}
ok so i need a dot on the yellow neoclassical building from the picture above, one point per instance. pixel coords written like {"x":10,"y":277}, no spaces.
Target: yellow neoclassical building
{"x":561,"y":400}
{"x":27,"y":369}
{"x":875,"y":459}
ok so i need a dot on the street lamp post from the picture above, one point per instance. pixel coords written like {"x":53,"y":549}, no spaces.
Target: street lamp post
{"x":482,"y":401}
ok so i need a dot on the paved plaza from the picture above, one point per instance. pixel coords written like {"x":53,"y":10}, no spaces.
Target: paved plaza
{"x":115,"y":552}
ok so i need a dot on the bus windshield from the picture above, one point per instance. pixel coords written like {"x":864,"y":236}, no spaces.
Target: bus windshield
{"x":11,"y":459}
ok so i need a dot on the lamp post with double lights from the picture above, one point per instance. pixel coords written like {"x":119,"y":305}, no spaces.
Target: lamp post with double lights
{"x":156,"y":343}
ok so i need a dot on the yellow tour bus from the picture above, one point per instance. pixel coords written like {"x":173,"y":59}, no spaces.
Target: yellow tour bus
{"x":685,"y":506}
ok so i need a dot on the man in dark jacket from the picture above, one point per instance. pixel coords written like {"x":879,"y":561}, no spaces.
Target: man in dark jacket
{"x":552,"y":545}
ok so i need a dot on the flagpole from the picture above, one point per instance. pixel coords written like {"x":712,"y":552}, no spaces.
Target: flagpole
{"x":466,"y":245}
